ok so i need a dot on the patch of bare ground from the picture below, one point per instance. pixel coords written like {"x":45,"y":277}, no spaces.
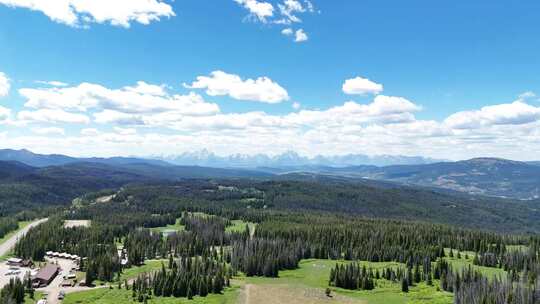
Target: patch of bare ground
{"x":77,"y":223}
{"x":283,"y":294}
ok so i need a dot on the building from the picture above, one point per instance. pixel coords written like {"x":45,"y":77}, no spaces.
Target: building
{"x":46,"y":275}
{"x":14,"y":262}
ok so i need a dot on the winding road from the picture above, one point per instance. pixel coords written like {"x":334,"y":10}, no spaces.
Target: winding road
{"x":7,"y":245}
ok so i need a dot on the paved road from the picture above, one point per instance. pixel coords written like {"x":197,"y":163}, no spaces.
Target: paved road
{"x":6,"y":247}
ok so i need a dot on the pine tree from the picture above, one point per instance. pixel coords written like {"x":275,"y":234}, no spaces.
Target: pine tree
{"x":404,"y":285}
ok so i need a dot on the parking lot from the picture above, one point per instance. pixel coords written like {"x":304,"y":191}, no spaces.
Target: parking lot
{"x":5,"y":269}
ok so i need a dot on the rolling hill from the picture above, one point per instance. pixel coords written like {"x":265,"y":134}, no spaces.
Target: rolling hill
{"x":480,"y":176}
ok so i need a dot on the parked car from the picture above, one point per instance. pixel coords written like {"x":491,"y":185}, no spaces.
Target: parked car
{"x":61,"y":295}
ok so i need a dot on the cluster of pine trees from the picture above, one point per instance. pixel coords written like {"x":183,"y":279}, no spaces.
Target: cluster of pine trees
{"x":8,"y":224}
{"x":353,"y":276}
{"x":15,"y":291}
{"x":265,"y":257}
{"x":184,"y":278}
{"x":95,"y":243}
{"x":470,"y":286}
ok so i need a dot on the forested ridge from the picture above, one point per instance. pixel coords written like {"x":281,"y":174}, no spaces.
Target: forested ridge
{"x":42,"y":190}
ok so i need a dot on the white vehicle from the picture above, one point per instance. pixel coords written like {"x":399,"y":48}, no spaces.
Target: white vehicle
{"x":42,"y":301}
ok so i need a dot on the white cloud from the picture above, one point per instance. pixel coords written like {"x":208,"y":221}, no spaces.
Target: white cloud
{"x":4,"y":85}
{"x":4,"y":113}
{"x":290,"y":9}
{"x":89,"y":132}
{"x":179,"y":123}
{"x":361,"y":86}
{"x":49,"y":131}
{"x":53,"y":83}
{"x":287,"y":32}
{"x":142,"y":98}
{"x":116,"y":117}
{"x":300,"y":36}
{"x":82,"y":12}
{"x":289,"y":12}
{"x":262,"y":89}
{"x":52,"y":116}
{"x":528,"y":94}
{"x":125,"y":131}
{"x":259,"y":9}
{"x":515,"y":113}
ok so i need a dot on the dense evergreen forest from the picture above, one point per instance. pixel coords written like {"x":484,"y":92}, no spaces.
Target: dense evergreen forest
{"x":29,"y":192}
{"x":287,"y":232}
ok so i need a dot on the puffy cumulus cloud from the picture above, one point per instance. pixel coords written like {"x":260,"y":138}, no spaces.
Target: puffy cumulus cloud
{"x":300,"y":36}
{"x":52,"y":116}
{"x":287,"y":32}
{"x":258,"y":9}
{"x":262,"y":89}
{"x":49,"y":131}
{"x":5,"y":85}
{"x":145,"y":119}
{"x":141,"y":98}
{"x":5,"y":113}
{"x":516,"y":113}
{"x":82,"y":12}
{"x":361,"y":86}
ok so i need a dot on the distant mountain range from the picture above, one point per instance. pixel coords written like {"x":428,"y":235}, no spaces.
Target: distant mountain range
{"x":42,"y":160}
{"x":480,"y":176}
{"x":288,"y":159}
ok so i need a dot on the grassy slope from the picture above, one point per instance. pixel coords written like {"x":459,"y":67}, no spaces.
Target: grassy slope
{"x":462,"y":263}
{"x":122,"y":296}
{"x":149,"y":266}
{"x":311,"y":274}
{"x":315,"y":274}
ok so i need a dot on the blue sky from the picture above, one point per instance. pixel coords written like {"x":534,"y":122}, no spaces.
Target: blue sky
{"x":445,"y":59}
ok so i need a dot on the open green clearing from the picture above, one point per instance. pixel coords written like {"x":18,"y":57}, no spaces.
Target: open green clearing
{"x":240,"y":226}
{"x":464,"y":262}
{"x":169,"y":228}
{"x":149,"y":266}
{"x":312,"y":274}
{"x":122,"y":296}
{"x":315,"y":273}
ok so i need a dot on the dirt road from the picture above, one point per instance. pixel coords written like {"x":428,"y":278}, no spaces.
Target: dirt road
{"x":6,"y":247}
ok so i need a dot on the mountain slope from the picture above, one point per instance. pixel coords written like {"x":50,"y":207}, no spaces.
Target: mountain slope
{"x":41,"y":160}
{"x":485,"y":176}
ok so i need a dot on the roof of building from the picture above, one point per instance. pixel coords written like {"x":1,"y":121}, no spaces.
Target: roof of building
{"x":47,"y":273}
